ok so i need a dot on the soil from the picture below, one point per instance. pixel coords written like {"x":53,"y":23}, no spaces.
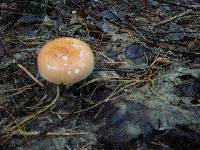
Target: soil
{"x":144,"y":92}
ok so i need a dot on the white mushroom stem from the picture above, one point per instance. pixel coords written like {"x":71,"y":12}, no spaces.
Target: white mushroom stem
{"x":67,"y":86}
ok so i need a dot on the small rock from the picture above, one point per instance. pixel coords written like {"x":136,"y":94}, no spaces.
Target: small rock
{"x":106,"y":74}
{"x":188,"y":88}
{"x":107,"y":27}
{"x":120,"y":37}
{"x":126,"y":123}
{"x":138,"y":53}
{"x":112,"y":15}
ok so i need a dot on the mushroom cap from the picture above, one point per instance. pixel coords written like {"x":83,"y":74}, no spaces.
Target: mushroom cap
{"x":65,"y":60}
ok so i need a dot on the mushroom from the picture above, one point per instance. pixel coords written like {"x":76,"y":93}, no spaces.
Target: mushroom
{"x":65,"y":61}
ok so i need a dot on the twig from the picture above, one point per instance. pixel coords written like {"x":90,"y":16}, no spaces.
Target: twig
{"x":138,"y":33}
{"x":104,"y":56}
{"x":178,"y":4}
{"x":174,"y":17}
{"x":30,"y":75}
{"x":19,"y":65}
{"x":20,"y":90}
{"x":113,"y":79}
{"x":3,"y":108}
{"x":109,"y":98}
{"x":36,"y":133}
{"x":99,"y":111}
{"x":28,"y":118}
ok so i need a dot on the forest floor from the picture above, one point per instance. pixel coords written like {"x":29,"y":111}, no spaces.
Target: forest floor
{"x":144,"y":92}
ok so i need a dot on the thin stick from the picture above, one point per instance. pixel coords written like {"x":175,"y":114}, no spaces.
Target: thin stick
{"x":99,"y":111}
{"x":30,"y":75}
{"x":19,"y":65}
{"x":28,"y":118}
{"x":108,"y":79}
{"x":174,"y":17}
{"x":101,"y":102}
{"x":35,"y":133}
{"x":104,"y":56}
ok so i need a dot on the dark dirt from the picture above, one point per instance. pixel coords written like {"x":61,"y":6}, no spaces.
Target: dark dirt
{"x":144,"y":92}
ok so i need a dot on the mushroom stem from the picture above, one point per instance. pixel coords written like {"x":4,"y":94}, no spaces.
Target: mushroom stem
{"x":67,"y":86}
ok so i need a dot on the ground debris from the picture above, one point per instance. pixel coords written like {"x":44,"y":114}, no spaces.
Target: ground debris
{"x":143,"y":91}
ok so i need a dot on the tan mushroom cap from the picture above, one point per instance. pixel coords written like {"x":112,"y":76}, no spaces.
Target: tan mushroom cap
{"x":65,"y":60}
